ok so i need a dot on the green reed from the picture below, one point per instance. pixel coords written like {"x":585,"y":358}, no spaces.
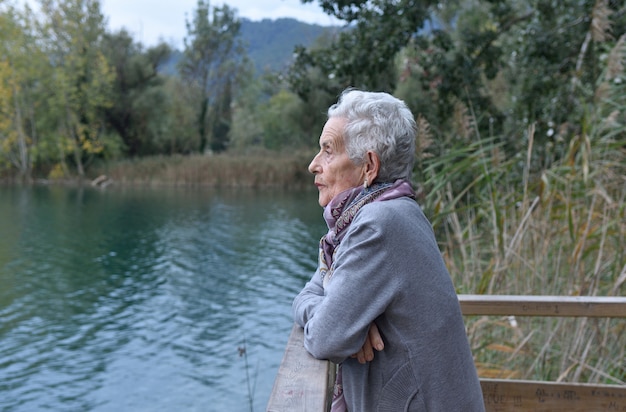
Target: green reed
{"x":250,"y":170}
{"x":557,"y":230}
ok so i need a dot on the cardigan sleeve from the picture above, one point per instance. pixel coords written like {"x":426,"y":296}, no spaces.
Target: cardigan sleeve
{"x":308,"y":299}
{"x":362,"y":285}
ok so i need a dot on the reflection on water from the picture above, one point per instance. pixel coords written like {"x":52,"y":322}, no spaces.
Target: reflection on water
{"x":143,"y":300}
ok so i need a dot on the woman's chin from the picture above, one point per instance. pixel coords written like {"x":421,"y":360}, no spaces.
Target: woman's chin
{"x":323,"y":200}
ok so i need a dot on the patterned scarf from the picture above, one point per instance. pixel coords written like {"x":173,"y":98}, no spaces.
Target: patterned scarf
{"x":339,"y":214}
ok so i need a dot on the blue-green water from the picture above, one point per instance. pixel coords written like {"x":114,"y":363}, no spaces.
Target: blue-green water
{"x":144,"y":299}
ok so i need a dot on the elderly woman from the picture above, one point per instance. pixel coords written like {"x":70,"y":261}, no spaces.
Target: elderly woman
{"x":381,"y":304}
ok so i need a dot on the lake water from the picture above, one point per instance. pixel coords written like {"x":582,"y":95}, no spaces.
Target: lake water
{"x":148,"y":299}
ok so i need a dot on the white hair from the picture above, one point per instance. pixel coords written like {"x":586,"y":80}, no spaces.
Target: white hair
{"x":381,"y":123}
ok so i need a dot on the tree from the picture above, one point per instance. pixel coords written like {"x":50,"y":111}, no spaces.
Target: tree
{"x":363,"y":54}
{"x":213,"y":61}
{"x":561,"y":55}
{"x":82,"y":78}
{"x":22,"y":67}
{"x":488,"y":66}
{"x":519,"y":63}
{"x":139,"y":108}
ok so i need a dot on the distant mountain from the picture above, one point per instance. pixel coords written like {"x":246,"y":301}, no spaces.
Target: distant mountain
{"x":269,"y":43}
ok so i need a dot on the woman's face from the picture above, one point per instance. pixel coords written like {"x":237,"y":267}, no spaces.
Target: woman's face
{"x":334,"y":171}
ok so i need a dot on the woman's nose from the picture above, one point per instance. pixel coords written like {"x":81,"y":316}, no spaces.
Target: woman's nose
{"x":314,"y":165}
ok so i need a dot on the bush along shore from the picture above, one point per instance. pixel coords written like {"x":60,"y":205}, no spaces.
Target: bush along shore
{"x":257,"y":170}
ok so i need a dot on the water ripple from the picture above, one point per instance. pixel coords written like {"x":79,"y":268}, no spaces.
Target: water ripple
{"x":148,"y":300}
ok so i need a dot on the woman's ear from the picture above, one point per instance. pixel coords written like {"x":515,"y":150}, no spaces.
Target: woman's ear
{"x":371,"y":166}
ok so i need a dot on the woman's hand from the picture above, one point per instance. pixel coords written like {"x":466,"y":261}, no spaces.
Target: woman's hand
{"x":372,"y":341}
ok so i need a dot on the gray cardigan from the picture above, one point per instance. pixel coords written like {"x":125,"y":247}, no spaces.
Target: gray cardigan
{"x":388,"y":269}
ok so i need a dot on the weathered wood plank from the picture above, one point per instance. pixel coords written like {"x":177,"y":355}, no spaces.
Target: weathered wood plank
{"x":590,"y":306}
{"x":303,"y":383}
{"x":527,"y":396}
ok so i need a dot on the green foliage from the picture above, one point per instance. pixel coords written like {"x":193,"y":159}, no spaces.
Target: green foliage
{"x":22,"y":68}
{"x":221,"y":120}
{"x":139,"y":98}
{"x":280,"y":121}
{"x":247,"y":130}
{"x":546,"y":92}
{"x":212,"y":62}
{"x":515,"y":64}
{"x":363,"y":55}
{"x":180,"y":120}
{"x":493,"y":66}
{"x":72,"y":31}
{"x":73,"y":93}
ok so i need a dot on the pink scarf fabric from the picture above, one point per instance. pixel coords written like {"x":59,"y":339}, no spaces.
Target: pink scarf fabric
{"x":339,"y":214}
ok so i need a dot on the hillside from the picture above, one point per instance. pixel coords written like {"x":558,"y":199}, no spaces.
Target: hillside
{"x":269,"y":43}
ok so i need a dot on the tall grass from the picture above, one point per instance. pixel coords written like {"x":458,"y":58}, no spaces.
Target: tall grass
{"x":249,"y":170}
{"x":508,"y":229}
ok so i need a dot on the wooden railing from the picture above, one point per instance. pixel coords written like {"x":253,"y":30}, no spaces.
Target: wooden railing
{"x":305,"y":384}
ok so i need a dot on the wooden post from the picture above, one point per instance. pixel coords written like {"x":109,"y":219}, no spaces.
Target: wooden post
{"x":303,"y":383}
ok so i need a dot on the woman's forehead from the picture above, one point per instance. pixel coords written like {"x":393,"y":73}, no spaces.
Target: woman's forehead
{"x":332,"y":133}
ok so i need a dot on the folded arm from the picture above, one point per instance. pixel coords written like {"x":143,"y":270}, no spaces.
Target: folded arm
{"x":339,"y":320}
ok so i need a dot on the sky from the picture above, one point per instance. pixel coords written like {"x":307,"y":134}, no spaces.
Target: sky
{"x":148,"y":21}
